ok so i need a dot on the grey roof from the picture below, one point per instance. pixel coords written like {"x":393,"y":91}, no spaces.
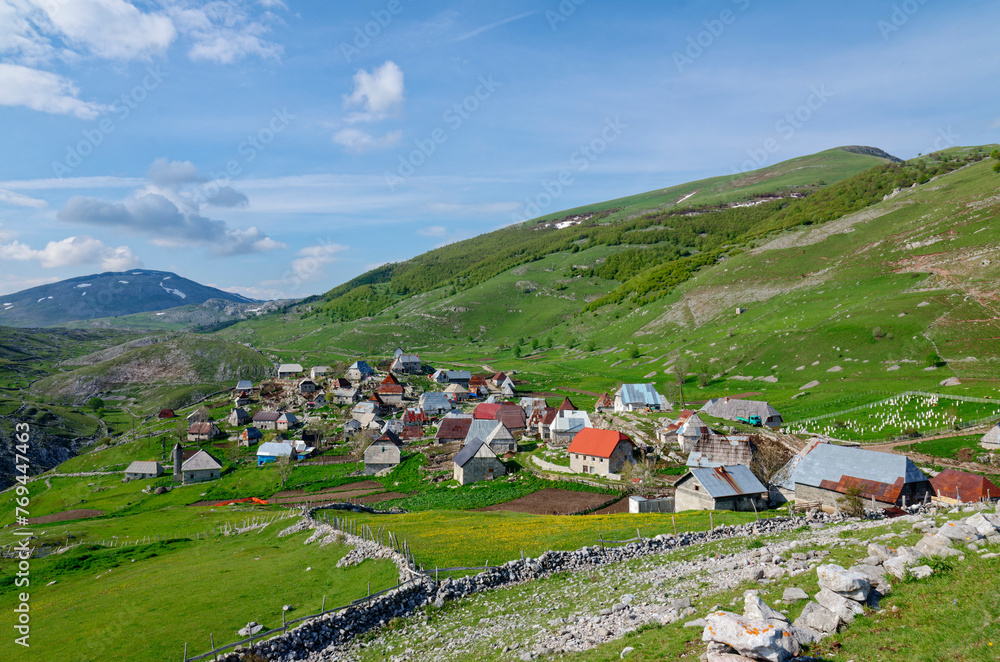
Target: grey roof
{"x":289,"y":367}
{"x":470,"y":450}
{"x":434,"y":400}
{"x":382,"y":453}
{"x":408,"y":358}
{"x":644,"y":393}
{"x":732,"y":480}
{"x":362,"y":367}
{"x":289,"y":417}
{"x":993,"y":436}
{"x":730,"y":408}
{"x":499,"y":433}
{"x":571,"y":420}
{"x":200,"y":461}
{"x":276,"y":449}
{"x":715,"y":451}
{"x":831,"y":462}
{"x":144,"y":467}
{"x":266,"y":416}
{"x":244,"y":385}
{"x":480,"y":429}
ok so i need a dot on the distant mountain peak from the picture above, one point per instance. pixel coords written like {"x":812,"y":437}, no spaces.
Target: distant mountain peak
{"x":871,"y":151}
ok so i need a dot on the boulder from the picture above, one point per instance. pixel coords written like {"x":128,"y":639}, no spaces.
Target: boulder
{"x":722,"y":653}
{"x":981,"y":525}
{"x":881,"y":552}
{"x":755,"y":609}
{"x":933,"y":544}
{"x":845,"y":582}
{"x":794,"y":594}
{"x":958,"y":531}
{"x":897,"y":566}
{"x":845,"y":609}
{"x":921,"y":571}
{"x":817,"y":617}
{"x":751,"y":638}
{"x":875,"y":574}
{"x":807,"y":636}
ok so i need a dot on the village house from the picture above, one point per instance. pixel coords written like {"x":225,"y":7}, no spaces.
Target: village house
{"x":827,"y":471}
{"x":461,"y":377}
{"x":345,"y":396}
{"x":407,"y":363}
{"x":359,"y":371}
{"x":639,"y":397}
{"x":244,"y":385}
{"x":453,"y":428}
{"x":496,"y":379}
{"x":339,"y":382}
{"x":541,"y":421}
{"x":529,"y":404}
{"x":720,"y":488}
{"x":238,"y":416}
{"x":476,"y":462}
{"x":307,"y":387}
{"x":275,"y":451}
{"x":381,"y":455}
{"x":200,"y":467}
{"x":605,"y":404}
{"x":203,"y":431}
{"x":507,"y":413}
{"x":456,"y":393}
{"x":600,"y":452}
{"x":991,"y":440}
{"x":507,"y":389}
{"x":390,"y":391}
{"x":140,"y":469}
{"x":685,"y":431}
{"x":370,"y":421}
{"x":199,"y":415}
{"x":318,"y":400}
{"x":286,"y":421}
{"x":266,"y":420}
{"x":742,"y":411}
{"x":566,"y":424}
{"x":414,"y":419}
{"x":380,"y":406}
{"x":318,"y":371}
{"x":250,"y":436}
{"x":434,"y":403}
{"x":952,"y":486}
{"x":289,"y":370}
{"x":494,"y":433}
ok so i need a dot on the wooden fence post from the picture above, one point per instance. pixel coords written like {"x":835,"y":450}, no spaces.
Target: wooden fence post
{"x":674,"y":520}
{"x":711,"y":522}
{"x":323,"y":608}
{"x":211,"y":638}
{"x":185,"y":651}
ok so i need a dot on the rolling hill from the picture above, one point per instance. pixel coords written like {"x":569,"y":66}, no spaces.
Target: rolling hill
{"x":109,"y":294}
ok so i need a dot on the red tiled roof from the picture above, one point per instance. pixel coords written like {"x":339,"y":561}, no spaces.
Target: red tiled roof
{"x":567,"y":405}
{"x":884,"y":492}
{"x":390,"y":379}
{"x":605,"y":401}
{"x":599,"y":443}
{"x":967,"y":487}
{"x":499,"y":377}
{"x":390,"y":389}
{"x":511,"y":416}
{"x":486,"y":411}
{"x":166,"y":413}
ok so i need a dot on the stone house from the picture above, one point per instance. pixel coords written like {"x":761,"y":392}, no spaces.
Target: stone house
{"x":140,"y":469}
{"x":453,"y":428}
{"x":720,"y":488}
{"x":566,"y":424}
{"x":250,"y":436}
{"x":407,"y":363}
{"x":494,"y":433}
{"x":733,"y":409}
{"x":202,"y":431}
{"x":359,"y":370}
{"x":307,"y":387}
{"x":288,"y":370}
{"x":600,"y":452}
{"x":239,"y":416}
{"x":434,"y":403}
{"x":719,"y":451}
{"x":318,"y":371}
{"x":381,"y":455}
{"x":457,"y":393}
{"x":286,"y":421}
{"x":345,"y":396}
{"x":605,"y":404}
{"x":266,"y":420}
{"x":476,"y":462}
{"x":200,"y":467}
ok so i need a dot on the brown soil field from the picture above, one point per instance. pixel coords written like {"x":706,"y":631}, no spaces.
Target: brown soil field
{"x":378,"y":498}
{"x":552,"y":501}
{"x":65,"y":516}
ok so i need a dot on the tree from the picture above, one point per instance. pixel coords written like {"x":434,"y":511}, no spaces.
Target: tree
{"x":534,"y":343}
{"x":638,"y":475}
{"x":95,"y":403}
{"x":680,"y":375}
{"x":591,"y":346}
{"x":852,"y":503}
{"x":517,"y":351}
{"x":548,"y":342}
{"x":995,"y":155}
{"x":634,"y":353}
{"x":285,"y":467}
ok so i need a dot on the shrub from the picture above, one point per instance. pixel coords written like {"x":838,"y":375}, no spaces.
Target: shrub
{"x":852,"y":503}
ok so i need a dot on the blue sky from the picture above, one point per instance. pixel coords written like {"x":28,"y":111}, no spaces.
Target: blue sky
{"x":277,"y":148}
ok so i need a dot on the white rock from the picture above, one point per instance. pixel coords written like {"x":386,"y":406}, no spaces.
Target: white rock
{"x":755,"y":609}
{"x":845,"y":582}
{"x":817,"y":617}
{"x":754,"y":639}
{"x":845,"y":609}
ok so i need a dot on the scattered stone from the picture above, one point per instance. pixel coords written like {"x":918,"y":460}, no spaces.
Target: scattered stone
{"x":922,"y":571}
{"x":812,"y":384}
{"x":817,"y":617}
{"x":844,"y":582}
{"x":754,"y":639}
{"x":794,"y":594}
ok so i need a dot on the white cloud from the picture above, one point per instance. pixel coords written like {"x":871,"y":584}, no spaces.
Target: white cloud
{"x":433,"y":231}
{"x":43,"y":91}
{"x":357,"y":140}
{"x":110,"y":29}
{"x":480,"y":30}
{"x":378,"y":94}
{"x":223,"y":31}
{"x":73,"y":251}
{"x":20,"y":200}
{"x":308,"y":266}
{"x":168,"y":210}
{"x":476,"y":208}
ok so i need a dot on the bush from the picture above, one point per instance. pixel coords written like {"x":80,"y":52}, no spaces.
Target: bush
{"x":852,"y":503}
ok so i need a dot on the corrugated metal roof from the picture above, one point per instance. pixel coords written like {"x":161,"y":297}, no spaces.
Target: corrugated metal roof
{"x":453,"y":428}
{"x":480,"y":429}
{"x":244,"y":385}
{"x":144,"y":467}
{"x":831,"y":464}
{"x":379,"y":453}
{"x":733,"y":480}
{"x":267,"y":416}
{"x":275,"y":449}
{"x":645,"y":394}
{"x":571,"y":421}
{"x":967,"y":487}
{"x":289,"y":367}
{"x":434,"y":400}
{"x":718,"y":451}
{"x":731,"y":408}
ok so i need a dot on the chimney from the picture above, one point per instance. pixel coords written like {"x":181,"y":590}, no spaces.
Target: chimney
{"x":178,"y":461}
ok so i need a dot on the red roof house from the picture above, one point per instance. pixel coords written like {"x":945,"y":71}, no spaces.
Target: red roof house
{"x":603,"y":452}
{"x":961,"y":487}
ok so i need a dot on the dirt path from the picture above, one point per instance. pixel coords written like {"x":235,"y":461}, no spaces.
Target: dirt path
{"x":895,"y":446}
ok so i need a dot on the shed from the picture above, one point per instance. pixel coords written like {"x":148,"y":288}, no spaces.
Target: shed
{"x":250,"y":436}
{"x":605,"y":404}
{"x":200,"y":467}
{"x":140,"y":469}
{"x":274,"y":451}
{"x":381,"y":455}
{"x":732,"y":409}
{"x":166,"y":413}
{"x":601,"y":452}
{"x":640,"y":504}
{"x":991,"y":440}
{"x":827,"y":471}
{"x":633,"y":397}
{"x":318,"y":371}
{"x":434,"y":403}
{"x":244,"y":385}
{"x":359,"y":370}
{"x":476,"y":462}
{"x":953,"y":486}
{"x":720,"y":488}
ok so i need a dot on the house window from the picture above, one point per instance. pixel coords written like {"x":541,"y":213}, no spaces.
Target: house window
{"x":696,"y":488}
